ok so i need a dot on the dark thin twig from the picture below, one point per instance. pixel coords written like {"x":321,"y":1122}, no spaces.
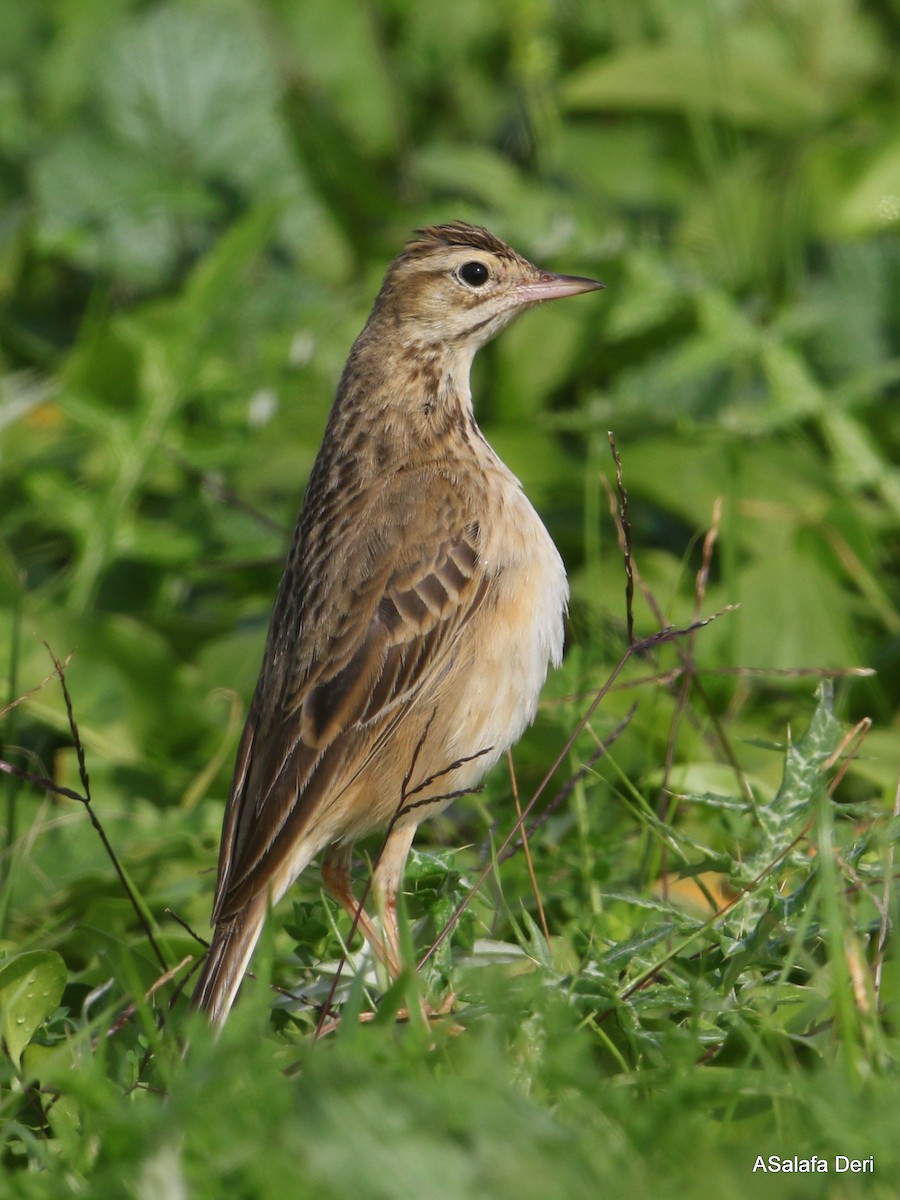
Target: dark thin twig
{"x":625,"y":525}
{"x":673,"y":674}
{"x":443,"y":798}
{"x":420,"y":787}
{"x":688,"y":680}
{"x":128,"y":1012}
{"x":87,"y":801}
{"x":49,"y":786}
{"x":417,"y":750}
{"x":632,"y":651}
{"x":532,"y":874}
{"x":40,"y":781}
{"x":847,"y":750}
{"x":687,"y":664}
{"x":569,"y":786}
{"x":76,"y":737}
{"x":170,"y":912}
{"x":301,"y":998}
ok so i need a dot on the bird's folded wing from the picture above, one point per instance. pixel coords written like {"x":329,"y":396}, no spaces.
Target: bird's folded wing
{"x":300,"y":752}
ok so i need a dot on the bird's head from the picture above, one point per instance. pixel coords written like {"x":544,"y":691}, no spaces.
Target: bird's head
{"x":458,"y":285}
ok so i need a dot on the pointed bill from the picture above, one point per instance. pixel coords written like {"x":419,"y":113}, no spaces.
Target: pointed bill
{"x":555,"y":287}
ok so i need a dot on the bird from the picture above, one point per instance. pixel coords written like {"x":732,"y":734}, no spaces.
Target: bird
{"x":421,"y":605}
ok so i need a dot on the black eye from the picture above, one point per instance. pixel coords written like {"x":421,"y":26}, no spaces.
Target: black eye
{"x":475,"y":274}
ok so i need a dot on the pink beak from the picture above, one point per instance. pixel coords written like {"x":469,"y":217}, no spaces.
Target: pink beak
{"x":555,"y":287}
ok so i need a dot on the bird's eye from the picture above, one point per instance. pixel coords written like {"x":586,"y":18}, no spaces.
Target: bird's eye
{"x":475,"y":274}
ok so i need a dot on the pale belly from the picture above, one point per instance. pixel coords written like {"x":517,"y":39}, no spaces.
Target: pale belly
{"x":517,"y":639}
{"x":489,"y":696}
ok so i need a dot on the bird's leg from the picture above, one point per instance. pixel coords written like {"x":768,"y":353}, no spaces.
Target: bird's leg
{"x":386,"y":880}
{"x":336,"y":877}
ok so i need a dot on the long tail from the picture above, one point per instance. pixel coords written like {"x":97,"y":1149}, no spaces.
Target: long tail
{"x":226,"y":961}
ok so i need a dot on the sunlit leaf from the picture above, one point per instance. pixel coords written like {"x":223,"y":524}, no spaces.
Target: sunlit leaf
{"x":31,"y":985}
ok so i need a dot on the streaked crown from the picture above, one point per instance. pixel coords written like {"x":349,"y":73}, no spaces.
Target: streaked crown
{"x":459,"y":283}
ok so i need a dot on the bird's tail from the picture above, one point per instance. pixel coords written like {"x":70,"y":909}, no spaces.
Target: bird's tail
{"x":226,"y":961}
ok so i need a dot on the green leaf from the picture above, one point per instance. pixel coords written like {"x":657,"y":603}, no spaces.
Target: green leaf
{"x":873,"y":202}
{"x":472,"y":171}
{"x":783,"y":818}
{"x":857,"y":458}
{"x":50,"y":1065}
{"x":325,"y":38}
{"x":31,"y":986}
{"x":758,"y":89}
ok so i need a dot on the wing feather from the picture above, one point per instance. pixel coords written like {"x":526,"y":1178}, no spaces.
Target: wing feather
{"x":298,"y":756}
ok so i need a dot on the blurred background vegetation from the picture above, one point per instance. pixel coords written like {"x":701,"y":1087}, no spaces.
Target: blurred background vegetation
{"x":197,"y":203}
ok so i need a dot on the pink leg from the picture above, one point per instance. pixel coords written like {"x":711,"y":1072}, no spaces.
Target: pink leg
{"x":336,"y":877}
{"x":386,"y":880}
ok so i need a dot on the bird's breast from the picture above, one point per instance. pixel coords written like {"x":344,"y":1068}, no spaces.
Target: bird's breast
{"x":518,"y":632}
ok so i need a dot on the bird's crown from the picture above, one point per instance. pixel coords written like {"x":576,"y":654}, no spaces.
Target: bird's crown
{"x":457,"y":234}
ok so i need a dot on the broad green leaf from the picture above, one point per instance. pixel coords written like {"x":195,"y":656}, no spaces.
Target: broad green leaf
{"x":31,"y":986}
{"x":112,"y":208}
{"x":191,"y":87}
{"x":758,"y":88}
{"x":189,"y":111}
{"x":799,"y":622}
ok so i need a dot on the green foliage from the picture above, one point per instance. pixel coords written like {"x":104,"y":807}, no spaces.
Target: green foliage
{"x":197,"y":201}
{"x":31,"y":987}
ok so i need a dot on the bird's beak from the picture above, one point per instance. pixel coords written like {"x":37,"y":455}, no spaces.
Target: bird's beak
{"x":555,"y":287}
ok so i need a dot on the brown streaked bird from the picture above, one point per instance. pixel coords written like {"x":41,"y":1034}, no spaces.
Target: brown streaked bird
{"x":421,"y":605}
